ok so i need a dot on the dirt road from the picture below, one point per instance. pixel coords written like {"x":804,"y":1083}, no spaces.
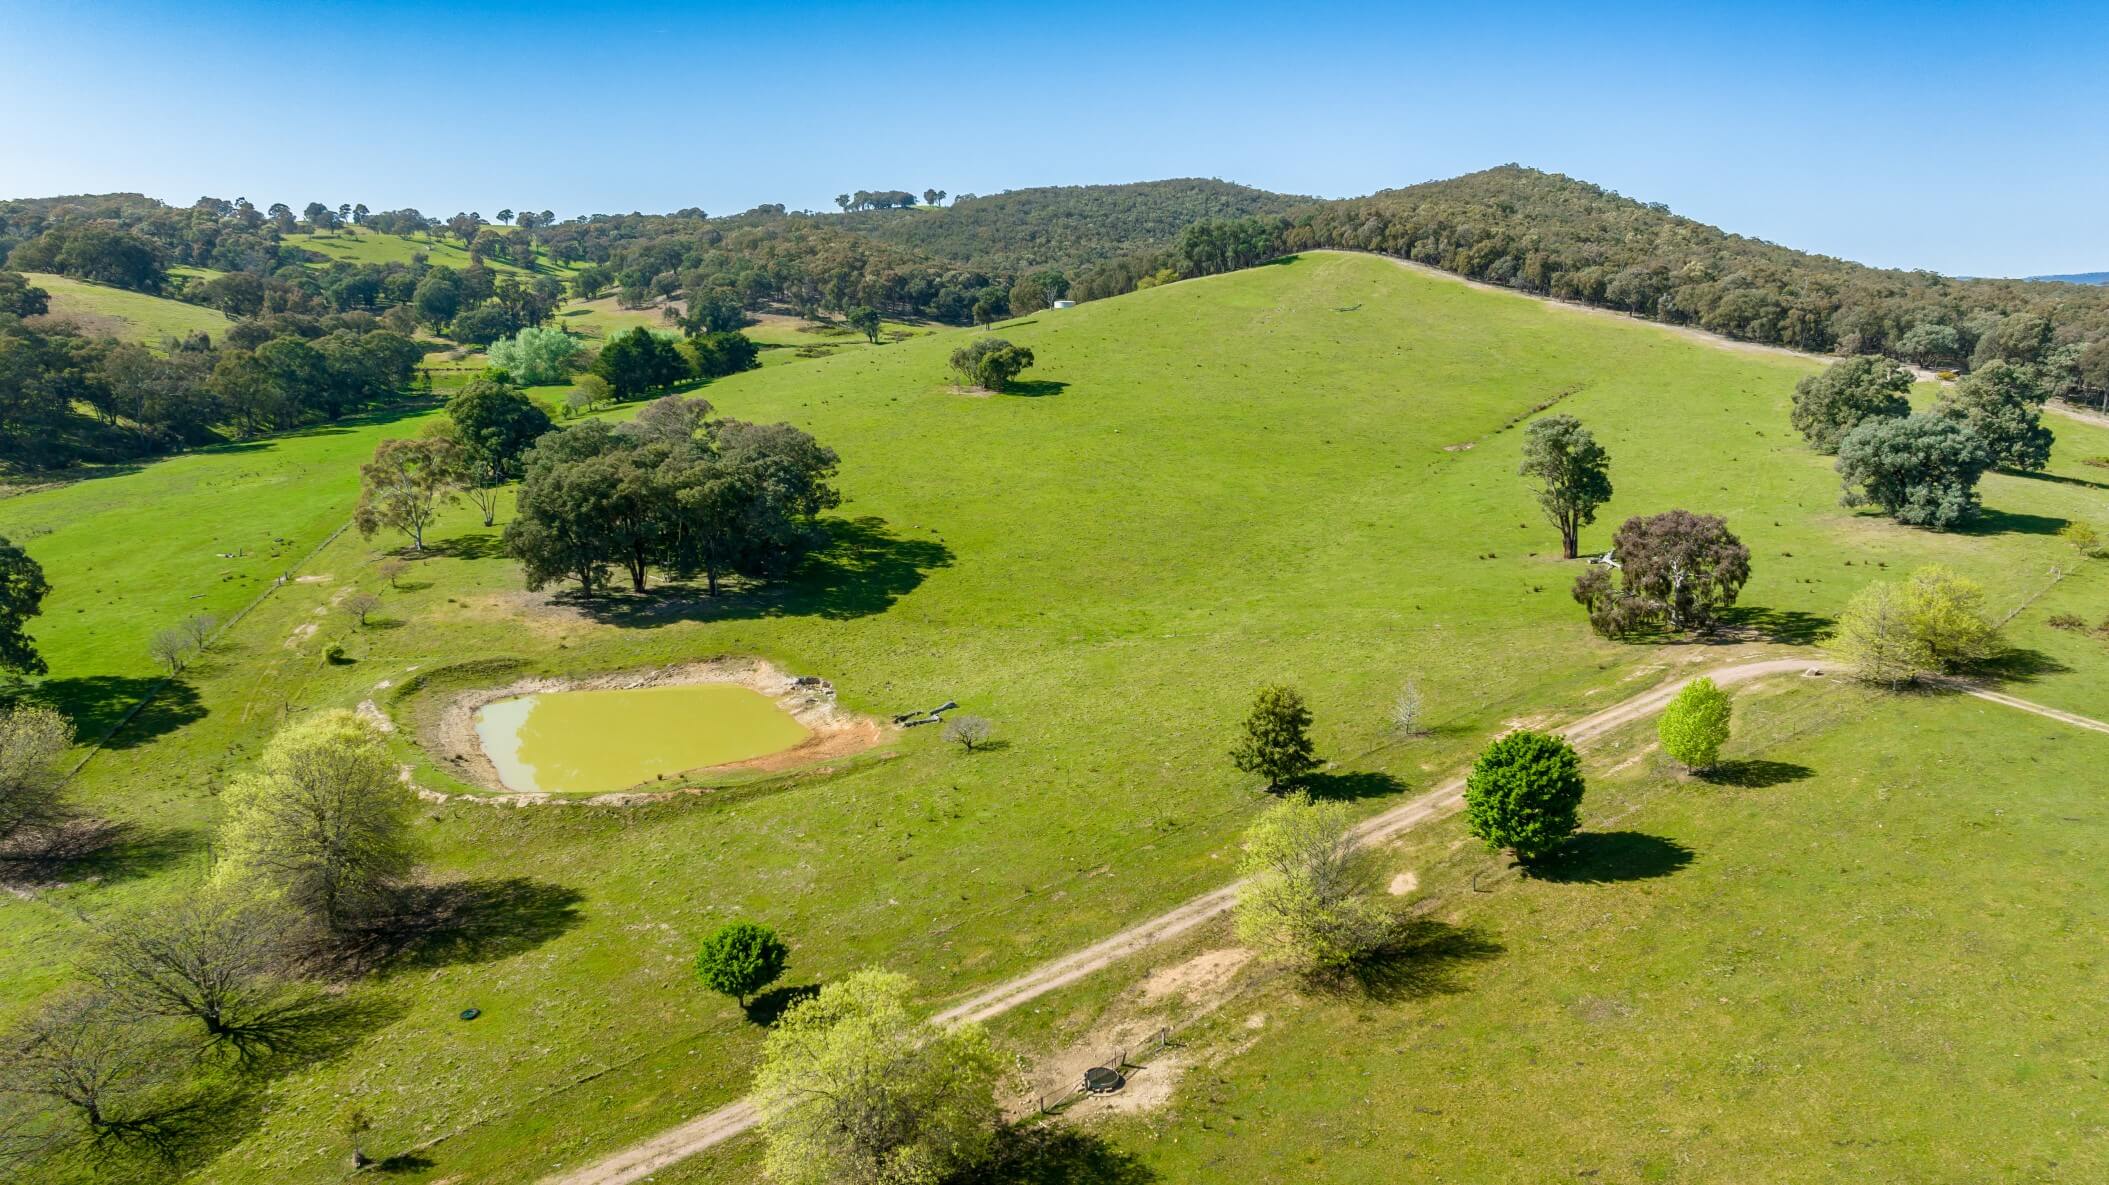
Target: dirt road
{"x":676,"y":1144}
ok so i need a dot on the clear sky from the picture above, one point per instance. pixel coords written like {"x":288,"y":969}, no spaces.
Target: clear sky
{"x":1968,"y":138}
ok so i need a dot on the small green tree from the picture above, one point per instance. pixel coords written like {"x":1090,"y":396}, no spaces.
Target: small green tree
{"x":741,"y":959}
{"x":1569,"y":472}
{"x":1276,"y":743}
{"x":990,"y":363}
{"x":1523,"y":795}
{"x":1305,"y":903}
{"x":22,"y":591}
{"x":865,"y":320}
{"x":854,"y":1090}
{"x":1933,"y":623}
{"x":1695,"y":725}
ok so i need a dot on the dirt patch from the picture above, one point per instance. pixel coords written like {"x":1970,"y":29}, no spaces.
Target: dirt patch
{"x":1404,"y":883}
{"x":301,"y":633}
{"x":1204,"y":976}
{"x":318,"y":578}
{"x":835,"y":732}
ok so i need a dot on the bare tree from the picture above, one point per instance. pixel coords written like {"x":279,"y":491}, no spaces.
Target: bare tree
{"x":968,"y":732}
{"x":170,"y":648}
{"x":393,"y":570}
{"x":361,"y":605}
{"x":1406,"y":710}
{"x":198,"y":628}
{"x":31,"y":743}
{"x":82,"y":1054}
{"x":213,"y":956}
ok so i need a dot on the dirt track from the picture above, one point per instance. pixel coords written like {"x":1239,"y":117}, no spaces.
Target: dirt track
{"x":676,"y":1144}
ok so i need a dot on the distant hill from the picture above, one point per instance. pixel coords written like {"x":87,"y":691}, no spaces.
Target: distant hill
{"x":1063,"y":226}
{"x":2077,"y":278}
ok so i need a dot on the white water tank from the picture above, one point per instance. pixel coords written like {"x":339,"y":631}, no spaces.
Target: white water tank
{"x":1065,"y":304}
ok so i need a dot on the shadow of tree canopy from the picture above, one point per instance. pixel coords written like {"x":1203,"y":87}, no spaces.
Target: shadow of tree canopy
{"x":2019,"y":664}
{"x":1422,"y":957}
{"x":468,"y":921}
{"x":1055,"y":1154}
{"x":305,"y":1027}
{"x":1756,"y":773}
{"x":95,"y":703}
{"x":1604,"y":857}
{"x":862,"y":568}
{"x":2058,"y":478}
{"x":89,"y":848}
{"x":1349,"y":785}
{"x":475,"y":545}
{"x":769,"y":1007}
{"x":2007,"y":522}
{"x":1034,"y":388}
{"x":1791,"y":627}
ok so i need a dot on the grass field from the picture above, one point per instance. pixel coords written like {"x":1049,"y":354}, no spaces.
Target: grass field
{"x":101,"y":310}
{"x":352,"y":245}
{"x":1301,"y":472}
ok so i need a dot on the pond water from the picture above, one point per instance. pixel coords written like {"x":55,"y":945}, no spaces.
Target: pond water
{"x":593,"y":742}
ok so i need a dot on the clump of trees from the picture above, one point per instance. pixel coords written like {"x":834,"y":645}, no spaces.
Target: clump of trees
{"x":1524,"y":795}
{"x":1306,"y":902}
{"x":1842,"y":396}
{"x":535,"y":356}
{"x":2001,"y":403}
{"x":990,"y":363}
{"x":674,"y":491}
{"x":1275,"y":742}
{"x":1921,"y":470}
{"x":1675,"y":570}
{"x":493,"y":424}
{"x":1569,"y":472}
{"x":740,"y":959}
{"x":1933,"y":623}
{"x":1695,"y":725}
{"x":855,"y":1090}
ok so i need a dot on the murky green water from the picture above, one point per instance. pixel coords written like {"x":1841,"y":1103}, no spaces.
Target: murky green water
{"x":592,"y":742}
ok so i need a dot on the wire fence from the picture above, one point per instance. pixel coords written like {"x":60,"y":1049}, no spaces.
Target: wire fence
{"x":1118,"y":1062}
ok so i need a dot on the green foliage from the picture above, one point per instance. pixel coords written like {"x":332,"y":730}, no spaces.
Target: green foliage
{"x":639,"y":361}
{"x":715,"y":355}
{"x":1570,"y":474}
{"x":2002,"y":405}
{"x":405,"y":485}
{"x":22,"y":592}
{"x":1276,"y":740}
{"x":1524,"y":794}
{"x":1933,"y":623}
{"x":740,"y":959}
{"x":1695,"y":725}
{"x":865,"y":320}
{"x":854,"y":1090}
{"x":535,"y":356}
{"x":1842,"y":396}
{"x":321,"y":821}
{"x":32,"y":740}
{"x":20,"y":298}
{"x":1305,"y":903}
{"x":1922,"y":469}
{"x":990,"y":363}
{"x":1676,"y":569}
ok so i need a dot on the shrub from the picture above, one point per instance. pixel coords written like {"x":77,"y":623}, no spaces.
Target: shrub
{"x":2067,"y":621}
{"x":334,"y":655}
{"x":968,"y":732}
{"x":741,"y":959}
{"x":2083,"y":538}
{"x":1523,"y":795}
{"x":1695,"y":725}
{"x":990,"y":363}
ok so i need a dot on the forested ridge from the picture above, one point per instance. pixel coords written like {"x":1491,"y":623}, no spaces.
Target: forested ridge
{"x":974,"y":260}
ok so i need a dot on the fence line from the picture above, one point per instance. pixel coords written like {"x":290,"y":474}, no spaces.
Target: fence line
{"x":284,"y":578}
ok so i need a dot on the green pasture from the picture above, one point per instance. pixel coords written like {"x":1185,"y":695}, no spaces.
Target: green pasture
{"x":103,"y":311}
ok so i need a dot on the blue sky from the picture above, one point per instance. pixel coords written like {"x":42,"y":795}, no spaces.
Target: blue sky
{"x":1968,"y":138}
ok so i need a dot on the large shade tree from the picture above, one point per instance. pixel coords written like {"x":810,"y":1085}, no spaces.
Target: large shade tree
{"x":1846,"y":394}
{"x":1569,"y":472}
{"x":1922,"y":469}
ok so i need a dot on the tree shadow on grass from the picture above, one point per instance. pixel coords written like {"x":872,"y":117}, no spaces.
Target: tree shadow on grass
{"x":465,"y":921}
{"x":1053,"y":1154}
{"x":404,"y":1162}
{"x":1756,"y":773}
{"x":1422,"y":957}
{"x":862,"y":569}
{"x":1349,"y":785}
{"x":1034,"y":388}
{"x":1605,"y":857}
{"x":2007,"y":522}
{"x":769,"y":1007}
{"x":95,"y":703}
{"x":476,"y":545}
{"x":89,"y":848}
{"x":2058,"y":478}
{"x":2019,"y":664}
{"x":1790,"y":627}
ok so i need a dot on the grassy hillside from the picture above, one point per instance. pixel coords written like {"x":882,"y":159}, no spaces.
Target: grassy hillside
{"x":1301,"y":472}
{"x":351,"y":245}
{"x":101,"y":310}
